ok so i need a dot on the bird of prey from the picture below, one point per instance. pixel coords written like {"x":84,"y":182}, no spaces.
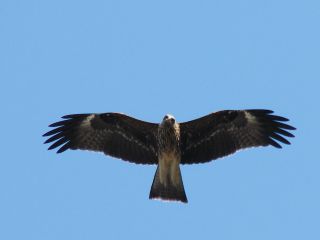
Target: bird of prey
{"x":169,"y":143}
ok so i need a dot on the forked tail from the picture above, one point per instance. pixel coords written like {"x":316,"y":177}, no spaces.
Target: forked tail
{"x":168,"y":190}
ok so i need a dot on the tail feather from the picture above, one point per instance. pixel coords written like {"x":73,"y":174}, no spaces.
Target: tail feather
{"x":169,"y":191}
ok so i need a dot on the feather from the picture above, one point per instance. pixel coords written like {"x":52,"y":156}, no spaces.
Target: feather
{"x":222,"y":133}
{"x":114,"y":134}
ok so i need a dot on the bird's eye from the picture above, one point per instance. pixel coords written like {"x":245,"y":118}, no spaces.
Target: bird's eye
{"x":165,"y":117}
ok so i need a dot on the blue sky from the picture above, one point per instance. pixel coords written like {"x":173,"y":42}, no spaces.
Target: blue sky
{"x":146,"y":59}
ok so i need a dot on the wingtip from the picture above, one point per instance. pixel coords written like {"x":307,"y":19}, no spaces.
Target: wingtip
{"x":50,"y":147}
{"x":274,"y":143}
{"x":56,"y":124}
{"x":69,"y":116}
{"x":73,"y":116}
{"x":60,"y":151}
{"x":261,"y":111}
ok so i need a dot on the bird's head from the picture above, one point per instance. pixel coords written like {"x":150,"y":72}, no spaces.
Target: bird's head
{"x":169,"y":119}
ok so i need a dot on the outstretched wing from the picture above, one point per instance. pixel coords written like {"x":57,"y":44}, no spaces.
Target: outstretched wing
{"x":114,"y":134}
{"x":222,"y":133}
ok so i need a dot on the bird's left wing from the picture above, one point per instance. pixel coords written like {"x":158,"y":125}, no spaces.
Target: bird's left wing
{"x":115,"y":134}
{"x":222,"y":133}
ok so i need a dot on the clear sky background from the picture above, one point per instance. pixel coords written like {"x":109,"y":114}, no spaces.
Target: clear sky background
{"x":146,"y":59}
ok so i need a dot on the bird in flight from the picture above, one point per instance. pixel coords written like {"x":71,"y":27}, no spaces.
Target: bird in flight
{"x":169,"y":143}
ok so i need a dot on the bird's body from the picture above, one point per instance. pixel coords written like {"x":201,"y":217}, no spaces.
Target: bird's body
{"x":169,"y":143}
{"x":169,"y":154}
{"x":167,"y":183}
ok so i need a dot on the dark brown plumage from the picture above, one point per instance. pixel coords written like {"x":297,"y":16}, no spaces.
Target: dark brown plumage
{"x":197,"y":141}
{"x":222,"y":133}
{"x":114,"y":134}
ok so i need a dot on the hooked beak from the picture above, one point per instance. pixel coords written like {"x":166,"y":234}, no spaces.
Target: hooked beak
{"x":172,"y":120}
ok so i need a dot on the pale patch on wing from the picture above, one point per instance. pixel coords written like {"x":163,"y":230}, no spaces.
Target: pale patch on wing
{"x":91,"y":136}
{"x":87,"y":122}
{"x":250,"y":118}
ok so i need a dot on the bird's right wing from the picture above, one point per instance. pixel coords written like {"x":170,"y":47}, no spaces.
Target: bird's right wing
{"x":115,"y":134}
